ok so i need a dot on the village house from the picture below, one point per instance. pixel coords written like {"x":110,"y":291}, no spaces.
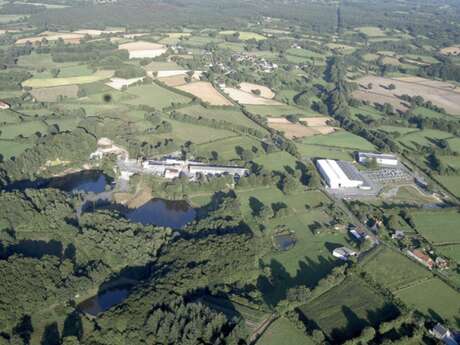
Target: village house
{"x":421,"y":257}
{"x":343,"y":253}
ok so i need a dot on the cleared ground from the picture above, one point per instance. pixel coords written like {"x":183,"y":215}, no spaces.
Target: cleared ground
{"x":143,"y":49}
{"x":119,"y":83}
{"x":453,"y":50}
{"x":206,"y":92}
{"x":52,"y":94}
{"x":68,"y":37}
{"x":248,"y":97}
{"x":442,"y":94}
{"x":291,"y":130}
{"x":264,"y":91}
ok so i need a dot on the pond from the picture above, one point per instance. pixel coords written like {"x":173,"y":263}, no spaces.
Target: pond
{"x":284,"y":241}
{"x":84,"y":181}
{"x":172,"y":213}
{"x":104,"y":300}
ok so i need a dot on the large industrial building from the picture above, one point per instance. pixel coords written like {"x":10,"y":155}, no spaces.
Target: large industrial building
{"x":338,"y":174}
{"x":380,"y":158}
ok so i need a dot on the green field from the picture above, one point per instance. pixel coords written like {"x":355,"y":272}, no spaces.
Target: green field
{"x":52,"y":94}
{"x":50,"y":82}
{"x":345,"y":310}
{"x":276,"y":160}
{"x":283,"y":332}
{"x":423,"y":137}
{"x":25,"y":129}
{"x":10,"y":149}
{"x":316,"y":151}
{"x":371,"y":31}
{"x":434,"y":298}
{"x":452,"y":183}
{"x":438,"y":226}
{"x":393,"y":270}
{"x":226,"y":147}
{"x":233,"y":115}
{"x":342,"y":139}
{"x":154,"y":95}
{"x":244,"y":35}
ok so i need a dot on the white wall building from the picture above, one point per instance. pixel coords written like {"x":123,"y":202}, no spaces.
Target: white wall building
{"x":335,"y":176}
{"x":380,"y":158}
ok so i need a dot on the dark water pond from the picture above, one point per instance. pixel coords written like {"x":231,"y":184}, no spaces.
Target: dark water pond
{"x":161,"y":212}
{"x":284,"y":241}
{"x":104,"y":300}
{"x":84,"y":181}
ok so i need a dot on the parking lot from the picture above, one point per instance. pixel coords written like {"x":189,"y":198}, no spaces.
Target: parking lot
{"x":388,"y":175}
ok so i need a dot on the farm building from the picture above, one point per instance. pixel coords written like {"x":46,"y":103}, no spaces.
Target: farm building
{"x":421,"y":257}
{"x":172,"y":168}
{"x":343,"y":253}
{"x":380,"y":158}
{"x":444,"y":334}
{"x":4,"y":105}
{"x":339,"y":174}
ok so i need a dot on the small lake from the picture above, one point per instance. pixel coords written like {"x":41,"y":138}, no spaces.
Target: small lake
{"x":172,"y":213}
{"x":104,"y":300}
{"x":284,"y":241}
{"x":84,"y":181}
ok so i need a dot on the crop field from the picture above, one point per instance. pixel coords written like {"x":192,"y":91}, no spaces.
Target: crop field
{"x":345,"y":310}
{"x":143,"y":49}
{"x":277,"y":110}
{"x":52,"y":82}
{"x":282,"y":331}
{"x":206,"y":92}
{"x":39,"y":61}
{"x":68,"y":37}
{"x":174,"y":81}
{"x":8,"y":18}
{"x":304,"y":53}
{"x":341,"y":139}
{"x":393,"y":270}
{"x":452,"y":50}
{"x":291,"y":130}
{"x":438,"y":226}
{"x":120,"y":83}
{"x":371,"y":31}
{"x":155,"y":96}
{"x":156,"y":66}
{"x":435,"y":298}
{"x":243,"y":97}
{"x":244,"y":35}
{"x":66,"y":71}
{"x":440,"y":93}
{"x":52,"y":94}
{"x":229,"y":114}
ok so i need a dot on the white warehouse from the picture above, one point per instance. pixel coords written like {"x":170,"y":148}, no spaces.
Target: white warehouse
{"x":338,"y":175}
{"x":380,"y":158}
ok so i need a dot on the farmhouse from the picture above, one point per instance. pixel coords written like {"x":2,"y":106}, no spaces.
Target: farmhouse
{"x":338,"y":174}
{"x":380,"y":158}
{"x":343,"y":253}
{"x":421,"y":257}
{"x":444,"y":334}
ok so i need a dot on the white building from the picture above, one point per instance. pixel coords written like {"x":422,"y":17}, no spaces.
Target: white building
{"x":380,"y":158}
{"x":335,"y":175}
{"x":343,"y":253}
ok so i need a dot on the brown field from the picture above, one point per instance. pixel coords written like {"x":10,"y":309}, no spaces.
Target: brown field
{"x":205,"y":91}
{"x":265,"y":92}
{"x":140,"y":45}
{"x":248,"y":97}
{"x":442,"y":94}
{"x":454,"y":50}
{"x":68,"y":37}
{"x":51,"y":94}
{"x":315,"y":121}
{"x":291,"y":130}
{"x":174,"y":81}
